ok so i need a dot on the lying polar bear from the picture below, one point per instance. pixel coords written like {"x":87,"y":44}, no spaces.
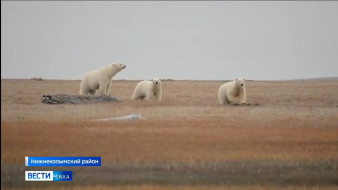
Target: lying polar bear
{"x":149,"y":90}
{"x":232,"y":92}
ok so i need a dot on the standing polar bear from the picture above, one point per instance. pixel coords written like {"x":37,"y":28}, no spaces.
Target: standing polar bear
{"x":100,"y":79}
{"x":149,"y":90}
{"x":232,"y":92}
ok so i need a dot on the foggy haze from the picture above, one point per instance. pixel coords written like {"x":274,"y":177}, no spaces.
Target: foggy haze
{"x":270,"y":40}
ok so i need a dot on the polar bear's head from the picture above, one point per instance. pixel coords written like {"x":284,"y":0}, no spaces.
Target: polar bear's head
{"x":157,"y":82}
{"x":118,"y":66}
{"x":240,"y":82}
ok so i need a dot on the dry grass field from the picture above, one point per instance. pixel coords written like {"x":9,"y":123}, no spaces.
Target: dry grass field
{"x":288,"y":141}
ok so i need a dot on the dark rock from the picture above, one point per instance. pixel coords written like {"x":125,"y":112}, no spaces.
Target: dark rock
{"x":77,"y":99}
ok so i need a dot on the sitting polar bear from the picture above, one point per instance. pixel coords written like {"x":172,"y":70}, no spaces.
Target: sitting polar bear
{"x":100,"y":79}
{"x":232,"y":92}
{"x":149,"y":90}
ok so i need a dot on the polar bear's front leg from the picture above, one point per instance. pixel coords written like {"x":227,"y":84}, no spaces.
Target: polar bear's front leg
{"x":149,"y":95}
{"x":103,"y":87}
{"x":232,"y":99}
{"x":108,"y":88}
{"x":242,"y":97}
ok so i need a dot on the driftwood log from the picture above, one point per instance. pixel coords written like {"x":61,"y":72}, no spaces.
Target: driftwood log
{"x":122,"y":118}
{"x":77,"y":99}
{"x":246,"y":104}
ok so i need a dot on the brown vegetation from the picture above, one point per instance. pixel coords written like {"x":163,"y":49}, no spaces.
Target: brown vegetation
{"x":295,"y":121}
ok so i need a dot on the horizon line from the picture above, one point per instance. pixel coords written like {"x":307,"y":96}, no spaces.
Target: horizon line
{"x":172,"y":79}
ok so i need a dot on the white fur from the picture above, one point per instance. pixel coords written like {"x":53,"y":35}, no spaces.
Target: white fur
{"x":149,"y":90}
{"x":100,"y":80}
{"x":232,"y":92}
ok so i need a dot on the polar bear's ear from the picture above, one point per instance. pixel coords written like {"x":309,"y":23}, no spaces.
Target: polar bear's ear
{"x":236,"y":79}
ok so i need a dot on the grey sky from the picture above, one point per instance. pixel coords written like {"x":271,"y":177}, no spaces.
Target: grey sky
{"x":178,"y":40}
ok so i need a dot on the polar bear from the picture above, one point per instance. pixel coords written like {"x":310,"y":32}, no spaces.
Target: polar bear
{"x":232,"y":92}
{"x":149,"y":90}
{"x":100,"y":79}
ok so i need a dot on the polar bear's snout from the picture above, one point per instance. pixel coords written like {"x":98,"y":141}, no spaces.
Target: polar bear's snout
{"x":122,"y":66}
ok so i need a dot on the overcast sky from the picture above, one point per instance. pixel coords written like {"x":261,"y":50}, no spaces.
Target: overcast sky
{"x":177,"y":40}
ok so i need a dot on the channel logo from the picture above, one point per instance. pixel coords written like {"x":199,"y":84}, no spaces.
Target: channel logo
{"x":48,"y":175}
